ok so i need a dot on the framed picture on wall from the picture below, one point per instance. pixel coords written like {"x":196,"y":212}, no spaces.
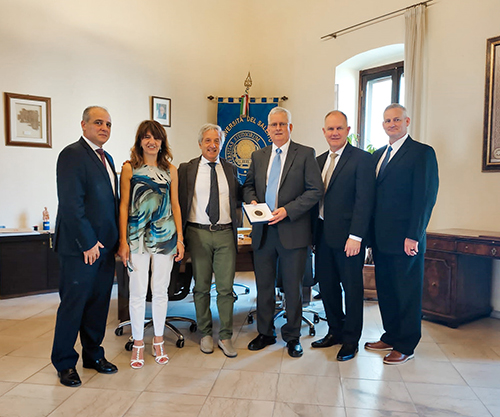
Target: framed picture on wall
{"x":160,"y":110}
{"x":491,"y":141}
{"x":27,"y":121}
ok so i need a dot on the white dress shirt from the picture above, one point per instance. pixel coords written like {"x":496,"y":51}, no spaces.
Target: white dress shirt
{"x":201,"y":195}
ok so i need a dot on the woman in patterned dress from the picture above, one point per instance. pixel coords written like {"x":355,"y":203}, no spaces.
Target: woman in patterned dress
{"x":150,"y":232}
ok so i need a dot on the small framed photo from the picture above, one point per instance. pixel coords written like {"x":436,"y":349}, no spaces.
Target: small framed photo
{"x":27,"y":121}
{"x":160,"y":110}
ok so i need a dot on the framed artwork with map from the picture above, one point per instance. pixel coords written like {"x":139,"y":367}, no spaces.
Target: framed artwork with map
{"x":27,"y":121}
{"x":491,"y":141}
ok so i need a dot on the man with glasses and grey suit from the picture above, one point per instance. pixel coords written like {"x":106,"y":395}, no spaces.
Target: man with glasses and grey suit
{"x":284,"y":175}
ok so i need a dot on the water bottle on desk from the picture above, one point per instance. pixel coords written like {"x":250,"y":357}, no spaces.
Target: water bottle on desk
{"x":46,"y":218}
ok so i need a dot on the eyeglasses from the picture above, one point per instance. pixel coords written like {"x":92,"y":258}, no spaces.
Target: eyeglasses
{"x":280,"y":124}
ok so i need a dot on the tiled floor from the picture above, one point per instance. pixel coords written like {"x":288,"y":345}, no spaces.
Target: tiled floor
{"x":456,"y":372}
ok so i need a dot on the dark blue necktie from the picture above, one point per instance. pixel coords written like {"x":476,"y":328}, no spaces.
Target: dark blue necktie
{"x":386,"y":160}
{"x":272,"y":183}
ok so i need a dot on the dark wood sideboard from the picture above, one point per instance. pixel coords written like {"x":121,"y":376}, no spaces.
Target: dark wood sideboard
{"x":28,"y":265}
{"x":457,"y":279}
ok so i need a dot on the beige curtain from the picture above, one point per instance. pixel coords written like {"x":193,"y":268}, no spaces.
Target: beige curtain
{"x":414,"y":67}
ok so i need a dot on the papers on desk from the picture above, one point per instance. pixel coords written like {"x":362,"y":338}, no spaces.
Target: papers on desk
{"x":258,"y":213}
{"x":17,"y":232}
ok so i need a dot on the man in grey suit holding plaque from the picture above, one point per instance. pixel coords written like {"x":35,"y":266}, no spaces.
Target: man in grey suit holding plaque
{"x":284,"y":175}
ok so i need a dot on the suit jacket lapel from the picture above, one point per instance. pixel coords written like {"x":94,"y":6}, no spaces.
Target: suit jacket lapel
{"x":192,"y":173}
{"x":97,"y":161}
{"x":342,"y":161}
{"x":292,"y":153}
{"x":229,"y":176}
{"x":228,"y":170}
{"x":396,"y":158}
{"x":261,"y":174}
{"x":322,"y":160}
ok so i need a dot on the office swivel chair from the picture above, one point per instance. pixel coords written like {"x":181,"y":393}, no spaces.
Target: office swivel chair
{"x":178,"y":289}
{"x":308,"y":282}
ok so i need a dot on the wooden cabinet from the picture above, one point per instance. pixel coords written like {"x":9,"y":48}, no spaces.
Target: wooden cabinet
{"x":457,"y":278}
{"x":28,"y":265}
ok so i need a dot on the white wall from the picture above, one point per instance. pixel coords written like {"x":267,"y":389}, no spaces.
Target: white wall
{"x":118,"y":53}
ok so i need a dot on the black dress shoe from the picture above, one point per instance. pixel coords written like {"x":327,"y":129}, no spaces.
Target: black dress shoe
{"x":327,"y":341}
{"x":102,"y":366}
{"x":69,"y":377}
{"x":294,"y":348}
{"x":261,"y":341}
{"x":347,"y":351}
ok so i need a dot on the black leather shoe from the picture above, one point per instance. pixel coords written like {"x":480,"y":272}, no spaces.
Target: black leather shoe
{"x":102,"y":366}
{"x":294,"y":348}
{"x":69,"y":377}
{"x":261,"y":341}
{"x":347,"y":351}
{"x":327,"y":341}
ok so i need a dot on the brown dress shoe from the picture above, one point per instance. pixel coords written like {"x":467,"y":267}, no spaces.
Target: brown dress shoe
{"x":397,"y":358}
{"x":377,"y":346}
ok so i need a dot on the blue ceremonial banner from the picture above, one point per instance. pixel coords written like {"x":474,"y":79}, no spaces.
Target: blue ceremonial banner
{"x":244,"y":134}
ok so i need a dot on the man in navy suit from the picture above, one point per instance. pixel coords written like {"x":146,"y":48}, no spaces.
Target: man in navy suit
{"x":86,"y":237}
{"x":286,"y":176}
{"x":341,"y":228}
{"x":406,"y":190}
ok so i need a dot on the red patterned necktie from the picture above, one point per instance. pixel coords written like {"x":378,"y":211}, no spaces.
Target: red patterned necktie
{"x":100,"y":151}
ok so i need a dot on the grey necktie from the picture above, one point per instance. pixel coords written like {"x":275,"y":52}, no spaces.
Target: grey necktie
{"x":326,"y":181}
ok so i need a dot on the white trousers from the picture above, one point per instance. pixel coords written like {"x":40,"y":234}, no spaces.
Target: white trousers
{"x":161,"y":268}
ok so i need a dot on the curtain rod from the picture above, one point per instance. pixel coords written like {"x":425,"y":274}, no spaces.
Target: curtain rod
{"x":335,"y":34}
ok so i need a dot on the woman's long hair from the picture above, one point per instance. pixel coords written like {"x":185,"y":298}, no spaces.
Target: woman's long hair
{"x":155,"y":129}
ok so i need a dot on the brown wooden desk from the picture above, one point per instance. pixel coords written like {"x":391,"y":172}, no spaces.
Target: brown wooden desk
{"x":457,"y":279}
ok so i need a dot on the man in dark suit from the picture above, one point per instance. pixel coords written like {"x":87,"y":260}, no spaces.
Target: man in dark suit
{"x":286,"y":176}
{"x":209,"y":195}
{"x":406,"y":190}
{"x":86,"y":237}
{"x":342,"y":222}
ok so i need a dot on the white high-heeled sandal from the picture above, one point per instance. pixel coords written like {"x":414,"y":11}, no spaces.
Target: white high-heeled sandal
{"x":137,"y":363}
{"x":163,"y":358}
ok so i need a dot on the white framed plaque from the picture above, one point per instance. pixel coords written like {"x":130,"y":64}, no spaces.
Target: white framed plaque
{"x":258,"y":213}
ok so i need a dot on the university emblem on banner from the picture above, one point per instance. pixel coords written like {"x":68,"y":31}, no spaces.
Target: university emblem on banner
{"x":244,"y":134}
{"x":244,"y":122}
{"x":240,"y":147}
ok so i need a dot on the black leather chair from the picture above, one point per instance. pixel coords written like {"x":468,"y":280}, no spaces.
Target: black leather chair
{"x":180,"y":283}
